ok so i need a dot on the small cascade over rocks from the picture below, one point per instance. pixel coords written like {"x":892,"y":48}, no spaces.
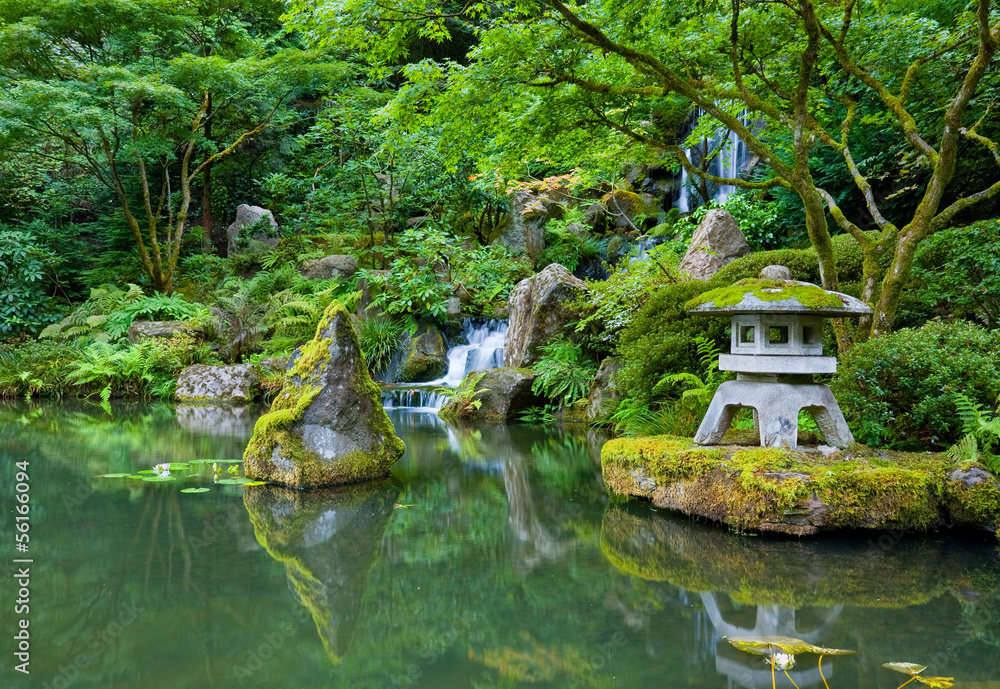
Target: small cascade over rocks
{"x":482,"y":348}
{"x":421,"y":398}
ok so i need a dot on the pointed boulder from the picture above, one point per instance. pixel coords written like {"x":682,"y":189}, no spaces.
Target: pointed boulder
{"x":327,"y":426}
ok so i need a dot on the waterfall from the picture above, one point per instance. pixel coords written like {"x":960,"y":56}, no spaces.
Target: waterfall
{"x":482,"y":349}
{"x":728,"y":163}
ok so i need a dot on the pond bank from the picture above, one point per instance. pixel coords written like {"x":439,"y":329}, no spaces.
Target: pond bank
{"x":786,"y":491}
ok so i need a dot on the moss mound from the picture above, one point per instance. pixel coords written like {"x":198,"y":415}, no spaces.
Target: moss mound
{"x":774,"y":489}
{"x":808,"y":295}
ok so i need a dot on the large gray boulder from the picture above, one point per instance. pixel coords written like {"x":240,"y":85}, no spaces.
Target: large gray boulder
{"x":540,"y":311}
{"x":164,"y":330}
{"x":425,"y":356}
{"x":203,"y":383}
{"x":503,"y":393}
{"x":339,"y":266}
{"x":327,"y":426}
{"x":249,"y":215}
{"x":522,"y":230}
{"x":603,"y":397}
{"x":716,"y":243}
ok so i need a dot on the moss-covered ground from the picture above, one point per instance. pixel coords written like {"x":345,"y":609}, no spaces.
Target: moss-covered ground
{"x":776,"y":489}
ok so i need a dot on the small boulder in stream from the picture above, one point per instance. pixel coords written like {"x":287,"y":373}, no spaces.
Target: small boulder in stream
{"x":501,"y":393}
{"x":327,"y":425}
{"x":425,"y":356}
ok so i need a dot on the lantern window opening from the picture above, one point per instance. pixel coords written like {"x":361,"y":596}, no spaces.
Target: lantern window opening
{"x":777,"y":335}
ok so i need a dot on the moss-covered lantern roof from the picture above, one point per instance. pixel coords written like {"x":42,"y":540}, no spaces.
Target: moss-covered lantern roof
{"x":764,"y":295}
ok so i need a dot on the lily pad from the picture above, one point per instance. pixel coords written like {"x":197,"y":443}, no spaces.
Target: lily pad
{"x":179,"y":466}
{"x":229,"y":481}
{"x":114,"y":476}
{"x":157,"y":479}
{"x":216,"y":461}
{"x":765,"y":645}
{"x":195,"y":490}
{"x":255,"y":483}
{"x":936,"y":682}
{"x":905,"y":668}
{"x":145,"y":471}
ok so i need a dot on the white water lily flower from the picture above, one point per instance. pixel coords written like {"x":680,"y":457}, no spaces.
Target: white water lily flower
{"x":781,"y":661}
{"x":162,"y":470}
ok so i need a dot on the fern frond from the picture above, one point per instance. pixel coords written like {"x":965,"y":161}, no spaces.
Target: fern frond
{"x":965,"y":450}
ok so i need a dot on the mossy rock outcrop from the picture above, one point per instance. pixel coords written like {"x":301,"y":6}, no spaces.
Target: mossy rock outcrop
{"x":788,"y":491}
{"x":327,"y":425}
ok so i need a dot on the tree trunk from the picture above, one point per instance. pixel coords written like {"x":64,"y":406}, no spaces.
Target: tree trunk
{"x":206,"y":189}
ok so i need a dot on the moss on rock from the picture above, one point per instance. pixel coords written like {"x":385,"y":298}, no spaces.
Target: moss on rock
{"x":326,"y":426}
{"x":775,"y":489}
{"x":808,"y":295}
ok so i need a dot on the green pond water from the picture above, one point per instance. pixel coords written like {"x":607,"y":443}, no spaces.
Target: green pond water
{"x":492,"y":558}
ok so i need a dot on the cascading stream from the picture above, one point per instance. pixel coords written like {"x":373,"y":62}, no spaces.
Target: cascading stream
{"x":483,"y":349}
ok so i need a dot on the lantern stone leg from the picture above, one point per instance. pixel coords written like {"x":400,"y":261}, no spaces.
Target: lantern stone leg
{"x":776,"y":407}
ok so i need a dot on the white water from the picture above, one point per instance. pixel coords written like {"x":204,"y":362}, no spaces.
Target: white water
{"x":484,"y":349}
{"x":728,"y":163}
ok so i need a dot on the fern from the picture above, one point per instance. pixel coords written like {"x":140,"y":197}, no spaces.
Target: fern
{"x":981,"y":429}
{"x":466,"y":396}
{"x":563,"y":374}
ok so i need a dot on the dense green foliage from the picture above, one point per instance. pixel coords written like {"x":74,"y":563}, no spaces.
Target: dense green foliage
{"x":901,"y":388}
{"x":662,"y":339}
{"x":564,"y":374}
{"x":957,"y":272}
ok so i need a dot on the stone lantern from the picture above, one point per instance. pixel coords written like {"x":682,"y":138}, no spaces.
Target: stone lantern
{"x":776,"y":347}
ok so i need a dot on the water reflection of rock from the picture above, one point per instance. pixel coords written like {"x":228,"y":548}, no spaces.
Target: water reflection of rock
{"x":217,"y":419}
{"x":757,"y":586}
{"x":540,"y":524}
{"x":778,"y":571}
{"x":328,"y":540}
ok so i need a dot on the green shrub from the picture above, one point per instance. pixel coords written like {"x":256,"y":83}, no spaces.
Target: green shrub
{"x":801,"y":262}
{"x":956,"y":272}
{"x":36,"y":368}
{"x":611,"y":305}
{"x":755,"y":218}
{"x":661,"y":339}
{"x":24,"y":305}
{"x":901,"y":388}
{"x":379,"y":336}
{"x":489,"y":273}
{"x":90,"y":319}
{"x":566,"y":247}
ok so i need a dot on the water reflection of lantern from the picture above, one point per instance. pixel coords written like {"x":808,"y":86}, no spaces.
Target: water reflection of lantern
{"x":777,"y":346}
{"x":751,"y":671}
